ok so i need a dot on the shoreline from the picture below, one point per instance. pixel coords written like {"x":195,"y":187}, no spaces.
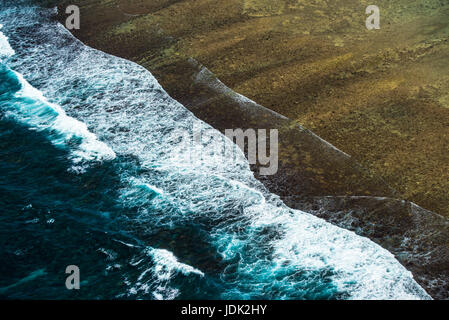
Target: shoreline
{"x":314,"y":174}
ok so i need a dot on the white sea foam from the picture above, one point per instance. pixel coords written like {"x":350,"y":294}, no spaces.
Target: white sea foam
{"x":34,"y":110}
{"x":167,"y":263}
{"x":156,"y":279}
{"x":5,"y":49}
{"x":361,"y":267}
{"x":42,"y":115}
{"x":271,"y":245}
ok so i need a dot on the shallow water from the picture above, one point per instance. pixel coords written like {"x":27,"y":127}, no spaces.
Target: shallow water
{"x":90,"y":177}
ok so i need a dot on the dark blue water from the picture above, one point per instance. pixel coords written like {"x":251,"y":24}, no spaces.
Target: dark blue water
{"x":89,"y":177}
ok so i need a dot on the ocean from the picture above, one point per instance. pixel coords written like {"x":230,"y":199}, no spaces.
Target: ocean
{"x":90,"y":176}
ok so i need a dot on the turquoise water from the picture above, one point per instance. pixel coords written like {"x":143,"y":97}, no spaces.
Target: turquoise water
{"x":89,"y":177}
